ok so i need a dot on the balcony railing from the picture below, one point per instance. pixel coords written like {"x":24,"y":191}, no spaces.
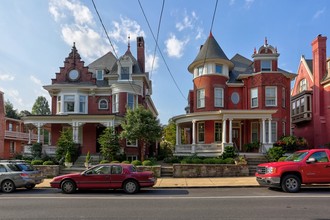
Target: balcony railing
{"x":21,"y":136}
{"x":46,"y":150}
{"x":208,"y":150}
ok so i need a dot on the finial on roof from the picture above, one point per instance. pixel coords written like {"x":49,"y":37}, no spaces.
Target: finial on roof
{"x":254,"y":51}
{"x":74,"y":44}
{"x":129,"y":42}
{"x":266,"y":43}
{"x":211,"y":35}
{"x":276,"y":49}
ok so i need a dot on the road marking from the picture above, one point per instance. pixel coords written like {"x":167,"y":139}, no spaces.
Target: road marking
{"x":165,"y":197}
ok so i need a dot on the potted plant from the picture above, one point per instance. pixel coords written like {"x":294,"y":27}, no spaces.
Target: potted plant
{"x":68,"y":160}
{"x":240,"y":160}
{"x":88,"y":160}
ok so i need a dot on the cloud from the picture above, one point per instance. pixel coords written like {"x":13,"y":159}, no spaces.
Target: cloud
{"x":188,"y":21}
{"x":248,"y":3}
{"x":36,"y":80}
{"x":319,"y":13}
{"x":126,"y":27}
{"x":14,"y":94}
{"x":152,"y":63}
{"x":174,"y":46}
{"x":61,"y":8}
{"x":77,"y":25}
{"x":6,"y":77}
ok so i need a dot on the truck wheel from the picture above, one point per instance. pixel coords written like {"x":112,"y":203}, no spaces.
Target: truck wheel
{"x":291,"y":183}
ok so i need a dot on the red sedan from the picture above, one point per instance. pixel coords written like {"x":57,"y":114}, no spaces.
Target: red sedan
{"x":106,"y":176}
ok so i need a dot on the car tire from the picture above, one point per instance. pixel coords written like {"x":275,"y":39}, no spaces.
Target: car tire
{"x":291,"y":183}
{"x":131,"y":186}
{"x":30,"y":186}
{"x":8,"y":186}
{"x":68,"y":186}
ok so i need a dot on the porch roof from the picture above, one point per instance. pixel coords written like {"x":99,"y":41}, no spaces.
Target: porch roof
{"x":77,"y":119}
{"x":224,"y":114}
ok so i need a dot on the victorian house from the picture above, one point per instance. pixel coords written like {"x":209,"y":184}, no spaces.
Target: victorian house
{"x":14,"y":135}
{"x":234,"y":101}
{"x":310,"y":99}
{"x":90,"y":98}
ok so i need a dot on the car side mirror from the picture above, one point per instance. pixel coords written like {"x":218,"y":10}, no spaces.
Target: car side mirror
{"x":311,"y":160}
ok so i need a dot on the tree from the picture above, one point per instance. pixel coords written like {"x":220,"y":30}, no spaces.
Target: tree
{"x":140,"y":124}
{"x":40,"y":106}
{"x":24,"y":113}
{"x":169,"y":133}
{"x":65,"y":144}
{"x":10,"y":111}
{"x":109,"y":142}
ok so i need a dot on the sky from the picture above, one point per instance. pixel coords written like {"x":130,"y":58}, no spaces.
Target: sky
{"x":37,"y":35}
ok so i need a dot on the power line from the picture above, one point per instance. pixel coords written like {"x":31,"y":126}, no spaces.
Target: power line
{"x":105,"y":30}
{"x":168,"y":69}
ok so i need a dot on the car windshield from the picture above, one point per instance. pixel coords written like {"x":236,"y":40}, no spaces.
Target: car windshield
{"x":296,"y":156}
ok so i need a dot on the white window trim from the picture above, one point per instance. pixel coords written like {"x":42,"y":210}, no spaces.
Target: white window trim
{"x":221,"y":98}
{"x":198,"y":131}
{"x":274,"y":131}
{"x":257,"y":126}
{"x":215,"y":68}
{"x":266,"y":97}
{"x":115,"y":103}
{"x":135,"y":97}
{"x":220,"y":135}
{"x":263,"y":61}
{"x":97,"y":74}
{"x":200,"y":104}
{"x":253,"y":97}
{"x":128,"y":144}
{"x":129,"y":73}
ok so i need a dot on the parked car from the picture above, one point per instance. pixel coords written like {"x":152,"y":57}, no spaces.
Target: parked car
{"x":17,"y":174}
{"x":302,"y":167}
{"x":106,"y":176}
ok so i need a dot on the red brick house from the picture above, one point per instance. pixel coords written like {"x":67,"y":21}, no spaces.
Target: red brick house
{"x":14,"y":135}
{"x":310,"y":99}
{"x":90,"y":98}
{"x":234,"y":101}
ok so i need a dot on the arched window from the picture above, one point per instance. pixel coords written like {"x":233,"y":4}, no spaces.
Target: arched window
{"x":103,"y":104}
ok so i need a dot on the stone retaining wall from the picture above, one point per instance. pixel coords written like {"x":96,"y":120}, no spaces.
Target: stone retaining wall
{"x":48,"y":170}
{"x":209,"y":170}
{"x":155,"y":169}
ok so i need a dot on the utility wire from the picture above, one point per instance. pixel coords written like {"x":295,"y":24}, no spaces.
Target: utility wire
{"x":158,"y":29}
{"x":105,"y":30}
{"x":168,"y":69}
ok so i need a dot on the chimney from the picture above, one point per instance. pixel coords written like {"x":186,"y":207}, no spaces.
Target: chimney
{"x":140,"y":53}
{"x":319,"y":51}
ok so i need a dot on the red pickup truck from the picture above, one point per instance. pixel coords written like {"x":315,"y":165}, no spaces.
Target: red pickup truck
{"x":302,"y":167}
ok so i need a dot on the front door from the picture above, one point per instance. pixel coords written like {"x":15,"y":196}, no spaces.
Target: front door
{"x":236,"y":138}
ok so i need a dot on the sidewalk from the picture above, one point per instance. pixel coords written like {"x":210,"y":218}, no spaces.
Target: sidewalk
{"x":194,"y":182}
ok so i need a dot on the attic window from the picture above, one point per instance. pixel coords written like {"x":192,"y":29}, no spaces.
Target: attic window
{"x":99,"y":74}
{"x":266,"y":65}
{"x":124,"y":74}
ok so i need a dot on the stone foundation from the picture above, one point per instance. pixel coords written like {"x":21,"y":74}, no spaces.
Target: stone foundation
{"x":209,"y":170}
{"x":48,"y":171}
{"x":155,"y":169}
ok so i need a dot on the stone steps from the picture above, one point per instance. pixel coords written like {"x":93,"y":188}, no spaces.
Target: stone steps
{"x":166,"y":171}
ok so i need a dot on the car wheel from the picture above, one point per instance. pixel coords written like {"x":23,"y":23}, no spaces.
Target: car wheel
{"x":7,"y":186}
{"x":30,"y":186}
{"x":68,"y":186}
{"x":291,"y":183}
{"x":131,"y":186}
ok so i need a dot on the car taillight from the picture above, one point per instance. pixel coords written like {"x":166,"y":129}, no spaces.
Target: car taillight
{"x":24,"y":175}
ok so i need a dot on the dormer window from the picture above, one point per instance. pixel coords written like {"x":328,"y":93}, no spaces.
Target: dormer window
{"x":124,"y":73}
{"x":266,"y":65}
{"x":302,"y":85}
{"x":99,"y":74}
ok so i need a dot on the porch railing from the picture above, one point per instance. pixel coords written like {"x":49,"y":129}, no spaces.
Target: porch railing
{"x":46,"y":150}
{"x":21,"y":136}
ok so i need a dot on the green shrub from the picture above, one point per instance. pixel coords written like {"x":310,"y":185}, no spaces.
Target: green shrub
{"x":48,"y":162}
{"x":136,"y":162}
{"x":171,"y":160}
{"x":37,"y":162}
{"x":275,"y":153}
{"x":115,"y":161}
{"x":147,"y":163}
{"x":229,"y":152}
{"x":197,"y":161}
{"x":104,"y":161}
{"x":229,"y":161}
{"x":126,"y":162}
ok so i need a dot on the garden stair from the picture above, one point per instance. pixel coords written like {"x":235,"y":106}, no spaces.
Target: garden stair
{"x":253,"y":160}
{"x":166,"y":171}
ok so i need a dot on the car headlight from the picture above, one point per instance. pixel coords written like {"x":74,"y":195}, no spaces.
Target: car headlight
{"x":270,"y":170}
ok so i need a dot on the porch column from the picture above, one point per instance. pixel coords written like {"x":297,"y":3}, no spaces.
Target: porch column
{"x":38,"y":141}
{"x":49,"y":138}
{"x":177,"y":135}
{"x":230,"y":131}
{"x":75,"y":132}
{"x":224,"y":127}
{"x":269,"y":130}
{"x":29,"y":136}
{"x":194,"y":136}
{"x":263,"y":131}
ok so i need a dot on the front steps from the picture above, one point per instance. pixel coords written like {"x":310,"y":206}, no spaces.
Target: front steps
{"x":79,"y":164}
